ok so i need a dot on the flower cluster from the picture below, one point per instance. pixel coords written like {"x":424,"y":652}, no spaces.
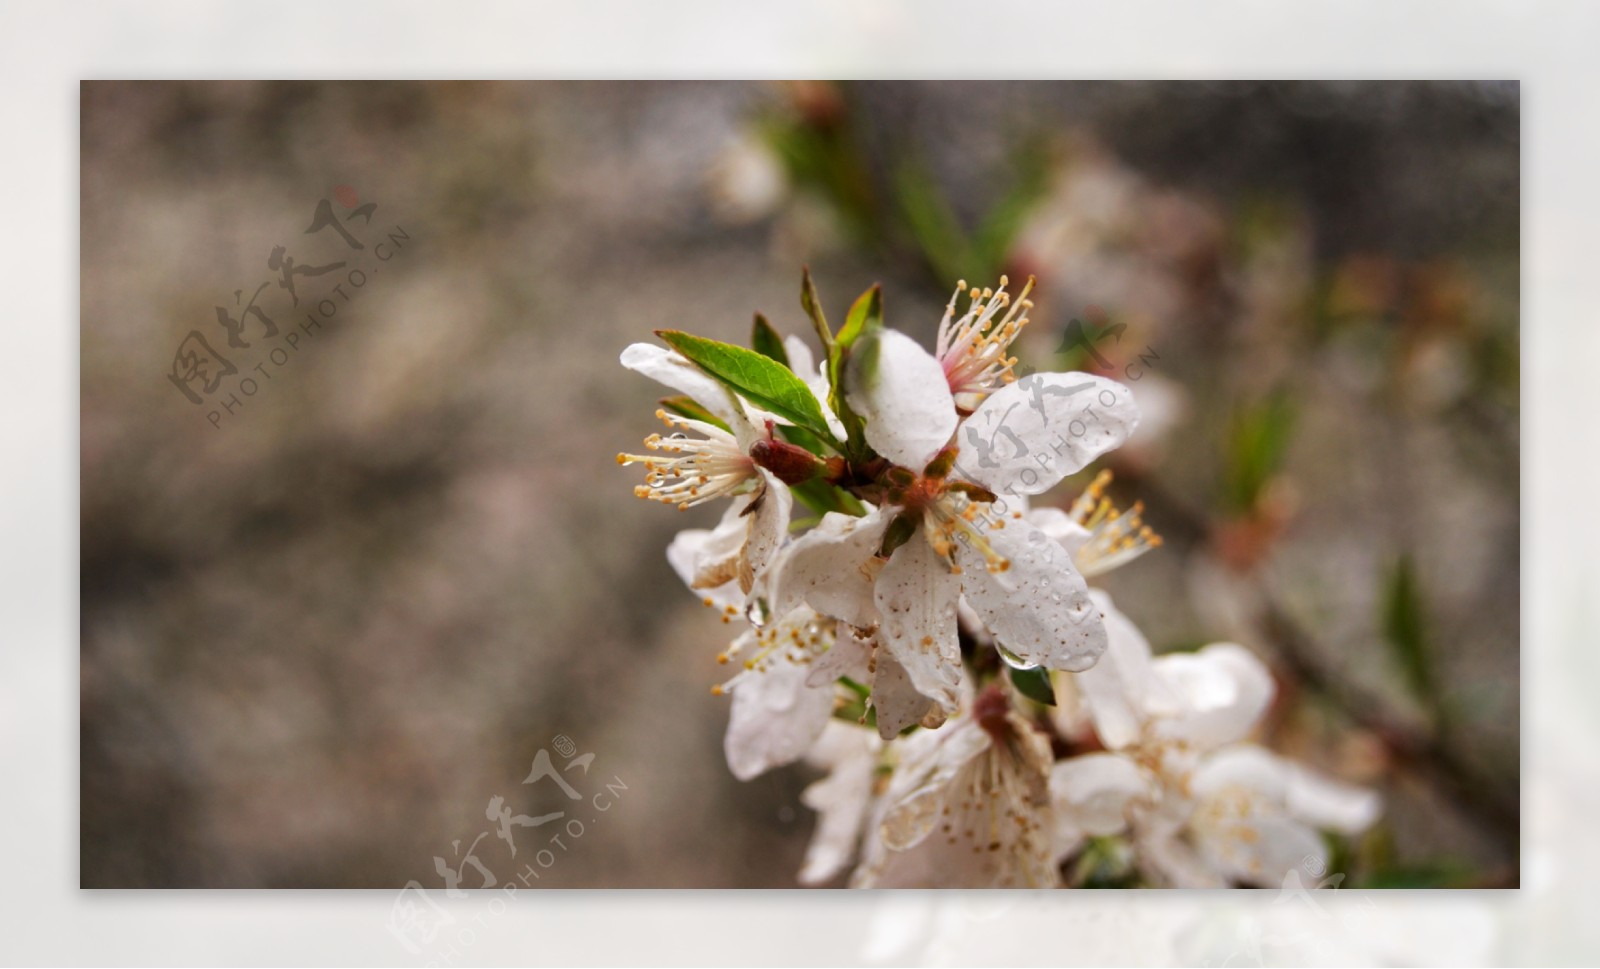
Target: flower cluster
{"x":928,"y":638}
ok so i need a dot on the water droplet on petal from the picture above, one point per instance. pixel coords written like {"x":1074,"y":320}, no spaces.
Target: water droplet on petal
{"x":1013,"y":660}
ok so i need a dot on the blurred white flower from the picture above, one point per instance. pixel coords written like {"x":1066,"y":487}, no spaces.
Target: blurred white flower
{"x":1201,"y":808}
{"x":1163,"y":407}
{"x":747,"y":181}
{"x":842,"y":799}
{"x":1257,"y":815}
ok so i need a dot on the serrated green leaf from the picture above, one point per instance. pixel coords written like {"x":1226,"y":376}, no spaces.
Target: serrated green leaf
{"x":685,"y":406}
{"x":762,"y":381}
{"x":767,"y":342}
{"x":1035,"y":685}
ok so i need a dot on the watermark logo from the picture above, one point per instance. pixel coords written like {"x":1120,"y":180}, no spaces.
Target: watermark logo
{"x":1253,"y":938}
{"x":997,"y":439}
{"x":264,"y":332}
{"x":428,"y":929}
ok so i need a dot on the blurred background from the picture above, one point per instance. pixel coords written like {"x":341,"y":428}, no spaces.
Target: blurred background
{"x":323,"y":628}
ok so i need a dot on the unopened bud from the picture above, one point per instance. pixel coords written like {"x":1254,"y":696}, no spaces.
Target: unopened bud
{"x":788,"y":463}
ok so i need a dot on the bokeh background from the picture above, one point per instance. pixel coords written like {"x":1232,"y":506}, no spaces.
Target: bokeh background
{"x":318,"y":638}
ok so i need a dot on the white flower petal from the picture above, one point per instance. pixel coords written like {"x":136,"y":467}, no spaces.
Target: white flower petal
{"x":815,"y":376}
{"x":1039,"y":607}
{"x":966,"y":813}
{"x":1060,"y":526}
{"x":841,"y":799}
{"x":895,"y":698}
{"x":921,"y":784}
{"x":717,"y":553}
{"x":1241,"y":825}
{"x":673,"y":369}
{"x":800,"y":359}
{"x":1057,"y":524}
{"x":687,"y":549}
{"x":831,"y":569}
{"x":1121,"y":689}
{"x":916,"y":597}
{"x":1243,"y":767}
{"x":1224,"y":690}
{"x":775,"y":718}
{"x":768,"y":527}
{"x":1329,"y":804}
{"x":1260,"y":850}
{"x":848,"y":656}
{"x":899,"y":389}
{"x":1070,"y":716}
{"x":1029,"y":435}
{"x":1092,"y":794}
{"x":1170,"y":862}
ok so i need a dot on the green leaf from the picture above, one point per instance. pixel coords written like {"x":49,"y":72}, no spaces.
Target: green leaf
{"x":685,"y":406}
{"x":1440,"y":874}
{"x":807,"y":440}
{"x":813,"y":307}
{"x":866,"y":315}
{"x":865,"y":319}
{"x":857,"y":708}
{"x":1035,"y":685}
{"x":821,"y":498}
{"x":858,"y":689}
{"x":1106,"y":862}
{"x":992,"y":243}
{"x":1404,"y":626}
{"x":932,"y":222}
{"x":764,"y":382}
{"x":899,"y":532}
{"x":1257,"y":447}
{"x":767,"y":342}
{"x":824,"y":159}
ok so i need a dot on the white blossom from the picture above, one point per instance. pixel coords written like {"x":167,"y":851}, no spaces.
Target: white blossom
{"x":1020,"y":582}
{"x":686,"y":471}
{"x":974,"y":348}
{"x":967,"y":806}
{"x":1202,"y":807}
{"x":842,"y":799}
{"x":784,"y":691}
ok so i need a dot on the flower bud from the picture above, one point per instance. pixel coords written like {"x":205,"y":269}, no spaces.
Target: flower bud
{"x":788,"y":463}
